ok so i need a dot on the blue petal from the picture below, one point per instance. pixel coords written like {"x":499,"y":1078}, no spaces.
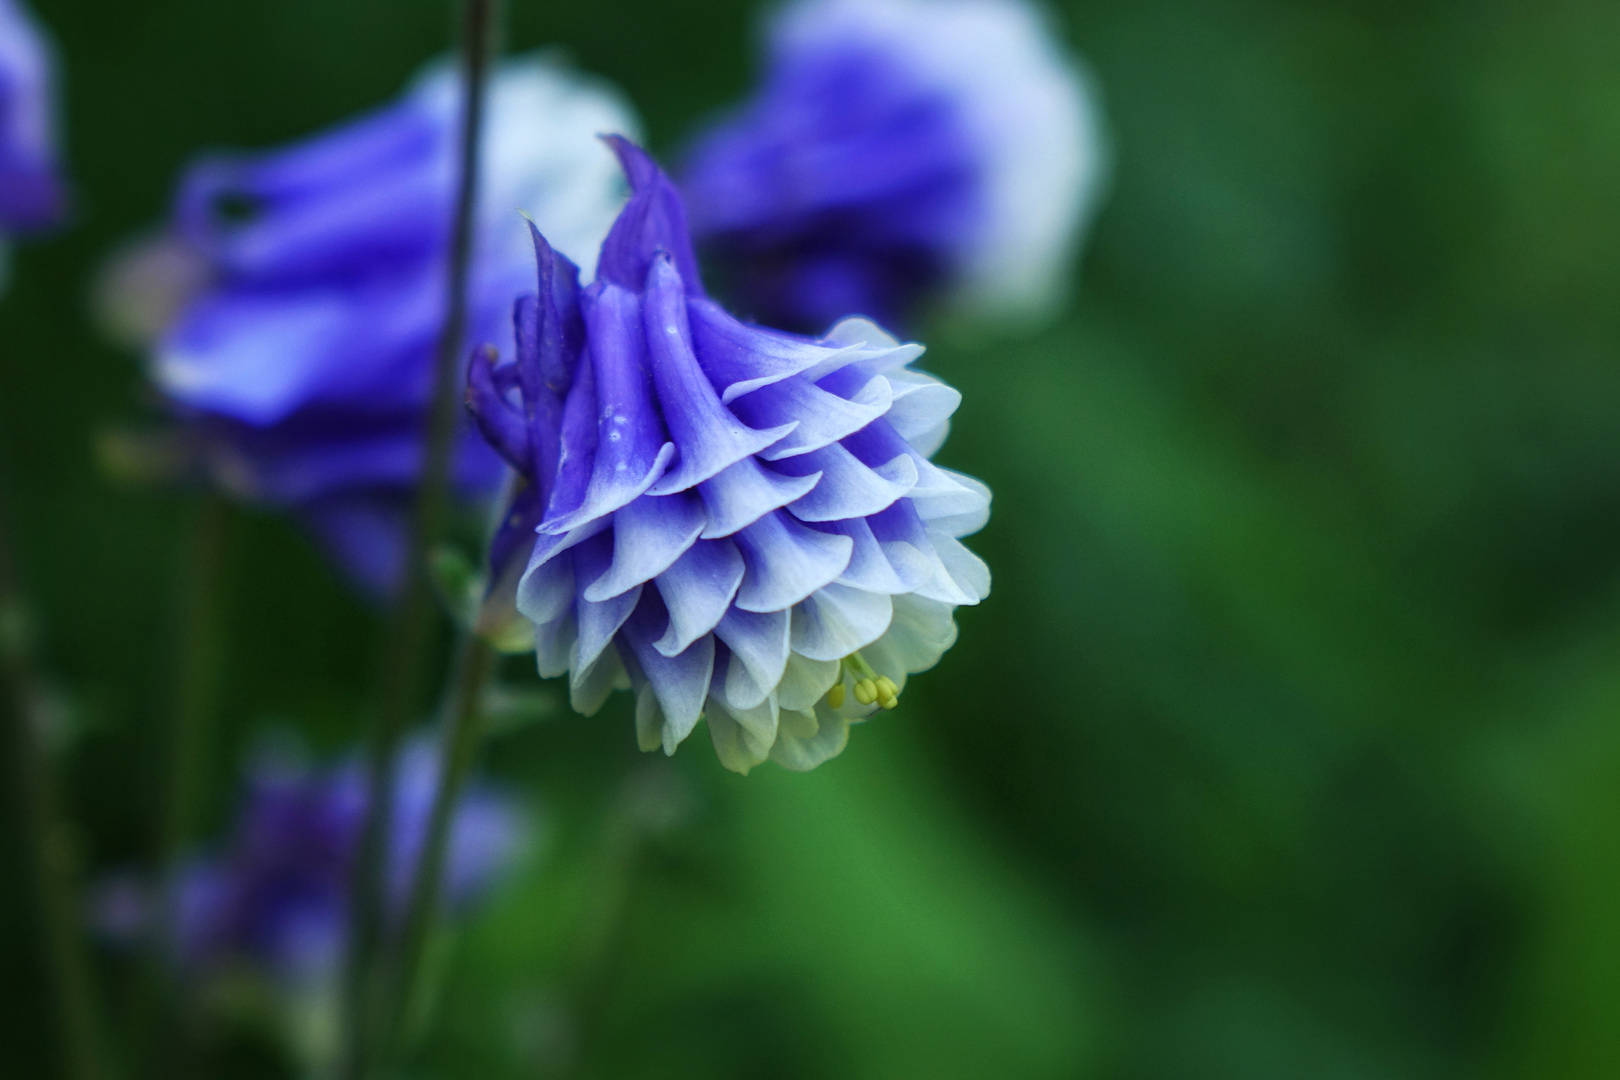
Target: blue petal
{"x":501,"y":425}
{"x":653,"y":221}
{"x":922,"y":405}
{"x":745,"y":492}
{"x":546,"y":592}
{"x":957,"y":514}
{"x":787,"y":561}
{"x":849,"y":489}
{"x":598,"y":622}
{"x":559,"y":327}
{"x":823,"y":417}
{"x":869,"y":566}
{"x":966,"y":578}
{"x":944,"y":495}
{"x":680,"y":682}
{"x":739,"y":358}
{"x":630,"y":449}
{"x":697,"y":590}
{"x":648,"y":536}
{"x":708,"y":436}
{"x":904,"y":539}
{"x":759,"y":653}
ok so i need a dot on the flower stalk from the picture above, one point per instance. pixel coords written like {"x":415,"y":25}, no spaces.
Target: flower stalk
{"x":462,"y":735}
{"x":414,"y":618}
{"x":196,"y":682}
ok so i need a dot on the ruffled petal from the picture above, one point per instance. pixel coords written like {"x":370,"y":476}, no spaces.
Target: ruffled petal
{"x":959,"y":510}
{"x":631,"y":449}
{"x":837,"y":620}
{"x":681,"y":682}
{"x":593,"y":683}
{"x":739,"y":358}
{"x":870,"y":567}
{"x":823,"y":417}
{"x":598,"y":622}
{"x":805,"y":682}
{"x":745,"y":492}
{"x":648,"y":536}
{"x":921,"y":405}
{"x":759,"y":653}
{"x":697,"y":590}
{"x":849,"y":488}
{"x":787,"y":561}
{"x":705,"y":432}
{"x":816,"y":737}
{"x":742,"y":737}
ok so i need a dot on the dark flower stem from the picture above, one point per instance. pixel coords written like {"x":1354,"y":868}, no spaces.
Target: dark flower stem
{"x":414,"y":619}
{"x":200,"y":643}
{"x":462,"y":735}
{"x":183,"y":769}
{"x":48,"y":839}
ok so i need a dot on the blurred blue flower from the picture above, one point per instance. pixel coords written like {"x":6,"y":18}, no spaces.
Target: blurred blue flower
{"x":733,"y":521}
{"x":277,"y":896}
{"x":31,"y":189}
{"x":294,"y":303}
{"x":901,"y":150}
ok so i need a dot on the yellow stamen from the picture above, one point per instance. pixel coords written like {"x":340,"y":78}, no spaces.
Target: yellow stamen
{"x":866,"y":691}
{"x":835,"y":696}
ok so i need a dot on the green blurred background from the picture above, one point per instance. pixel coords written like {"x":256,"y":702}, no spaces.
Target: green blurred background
{"x":1289,"y":742}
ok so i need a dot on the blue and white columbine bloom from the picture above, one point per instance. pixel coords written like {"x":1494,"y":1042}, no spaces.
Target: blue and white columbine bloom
{"x":299,"y":293}
{"x":901,"y":150}
{"x":31,"y":190}
{"x":735,"y":522}
{"x":273,"y":903}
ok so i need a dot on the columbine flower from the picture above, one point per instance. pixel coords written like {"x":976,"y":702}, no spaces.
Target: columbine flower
{"x":298,"y":294}
{"x":736,"y":522}
{"x":279,"y":894}
{"x":31,"y":195}
{"x":899,"y":148}
{"x":274,"y":903}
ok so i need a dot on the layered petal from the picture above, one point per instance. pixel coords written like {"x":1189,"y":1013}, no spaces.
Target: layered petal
{"x":739,"y":526}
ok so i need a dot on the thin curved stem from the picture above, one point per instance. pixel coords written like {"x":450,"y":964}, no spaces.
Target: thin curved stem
{"x":199,"y":645}
{"x":413,"y":623}
{"x":84,"y":1049}
{"x":462,"y":735}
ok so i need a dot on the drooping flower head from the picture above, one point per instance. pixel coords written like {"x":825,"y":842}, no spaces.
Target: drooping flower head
{"x":297,"y":295}
{"x":735,"y":522}
{"x":896,"y":151}
{"x":31,"y":191}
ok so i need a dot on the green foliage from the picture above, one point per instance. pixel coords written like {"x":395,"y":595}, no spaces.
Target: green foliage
{"x":1289,"y":742}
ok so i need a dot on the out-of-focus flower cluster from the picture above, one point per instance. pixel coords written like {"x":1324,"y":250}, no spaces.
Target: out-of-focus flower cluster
{"x":33,"y":195}
{"x":294,"y":301}
{"x":271,"y":906}
{"x":900,"y":151}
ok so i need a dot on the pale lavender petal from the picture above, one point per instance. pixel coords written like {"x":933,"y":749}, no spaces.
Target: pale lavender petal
{"x":707,"y":435}
{"x":745,"y":492}
{"x":787,"y":561}
{"x":697,"y":590}
{"x":648,"y":536}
